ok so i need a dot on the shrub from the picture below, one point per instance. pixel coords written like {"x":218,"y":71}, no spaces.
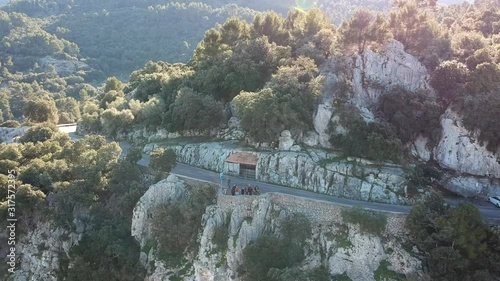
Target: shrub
{"x":411,"y":114}
{"x":39,"y":133}
{"x":449,"y":79}
{"x":478,"y":111}
{"x":162,"y":161}
{"x":176,"y":225}
{"x":134,"y":155}
{"x":221,"y":236}
{"x":269,"y":252}
{"x":456,"y":243}
{"x":422,"y":176}
{"x":10,"y":124}
{"x":373,"y":140}
{"x":369,"y":222}
{"x":193,"y":111}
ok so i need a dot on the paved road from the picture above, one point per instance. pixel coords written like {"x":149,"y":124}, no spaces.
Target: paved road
{"x":487,"y":210}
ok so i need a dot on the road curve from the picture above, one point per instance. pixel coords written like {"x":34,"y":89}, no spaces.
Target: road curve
{"x":488,"y":211}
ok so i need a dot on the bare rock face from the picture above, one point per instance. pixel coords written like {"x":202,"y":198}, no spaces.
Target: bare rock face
{"x":321,"y":121}
{"x":342,"y":248}
{"x":419,"y":148}
{"x":342,"y":179}
{"x":234,"y":131}
{"x":9,"y":135}
{"x":42,"y":249}
{"x":375,"y":72}
{"x":210,"y":156}
{"x":63,"y":67}
{"x":461,"y":151}
{"x":310,"y":138}
{"x":164,"y":191}
{"x":286,"y":141}
{"x":371,"y":74}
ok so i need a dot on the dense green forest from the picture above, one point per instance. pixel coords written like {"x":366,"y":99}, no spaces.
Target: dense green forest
{"x":118,"y":37}
{"x":56,"y":177}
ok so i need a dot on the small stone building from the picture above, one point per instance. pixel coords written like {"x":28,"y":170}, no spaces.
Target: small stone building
{"x":242,"y":164}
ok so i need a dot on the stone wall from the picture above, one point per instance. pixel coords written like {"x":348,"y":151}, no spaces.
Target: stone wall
{"x":317,"y":211}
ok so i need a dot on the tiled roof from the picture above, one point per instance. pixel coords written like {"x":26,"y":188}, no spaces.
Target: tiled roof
{"x":246,"y":158}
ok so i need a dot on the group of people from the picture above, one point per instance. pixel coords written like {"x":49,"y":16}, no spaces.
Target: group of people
{"x":248,"y":190}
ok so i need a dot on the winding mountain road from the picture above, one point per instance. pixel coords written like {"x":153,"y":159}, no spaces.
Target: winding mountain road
{"x":487,"y":210}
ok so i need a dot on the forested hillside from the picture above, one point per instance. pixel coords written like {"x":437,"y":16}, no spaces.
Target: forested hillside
{"x":120,"y":36}
{"x":42,"y":77}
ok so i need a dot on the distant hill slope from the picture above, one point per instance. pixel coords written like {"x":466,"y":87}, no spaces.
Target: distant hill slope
{"x":118,"y":36}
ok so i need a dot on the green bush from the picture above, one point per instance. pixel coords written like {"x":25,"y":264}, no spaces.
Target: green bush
{"x":221,"y":236}
{"x":270,"y":252}
{"x":422,"y":176}
{"x":369,"y":222}
{"x":384,"y":273}
{"x":477,"y":111}
{"x":162,"y":161}
{"x":193,"y":111}
{"x":11,"y":124}
{"x":176,"y":225}
{"x":39,"y":133}
{"x":456,"y":243}
{"x":412,"y":114}
{"x":374,"y":141}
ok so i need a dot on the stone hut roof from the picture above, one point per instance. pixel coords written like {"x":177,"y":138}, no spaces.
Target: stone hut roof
{"x":245,"y":158}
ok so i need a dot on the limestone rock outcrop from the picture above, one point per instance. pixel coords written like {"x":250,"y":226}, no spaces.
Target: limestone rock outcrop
{"x":286,"y":141}
{"x":321,"y":122}
{"x":370,"y":73}
{"x":349,"y":179}
{"x":164,"y":191}
{"x":63,"y":67}
{"x":374,"y":72}
{"x":460,"y":150}
{"x":42,"y":249}
{"x":342,"y":248}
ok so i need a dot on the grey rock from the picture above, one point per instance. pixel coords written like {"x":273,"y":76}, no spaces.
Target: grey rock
{"x":460,"y":150}
{"x":310,"y":138}
{"x":164,"y":191}
{"x":286,"y":141}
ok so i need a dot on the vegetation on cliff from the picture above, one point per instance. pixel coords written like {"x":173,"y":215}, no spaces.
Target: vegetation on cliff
{"x":81,"y":186}
{"x":456,"y":243}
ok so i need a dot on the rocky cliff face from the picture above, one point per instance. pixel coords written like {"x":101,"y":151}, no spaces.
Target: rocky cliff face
{"x":371,"y":74}
{"x":170,"y":189}
{"x":458,"y":149}
{"x":41,"y":251}
{"x":461,"y":150}
{"x":341,"y":247}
